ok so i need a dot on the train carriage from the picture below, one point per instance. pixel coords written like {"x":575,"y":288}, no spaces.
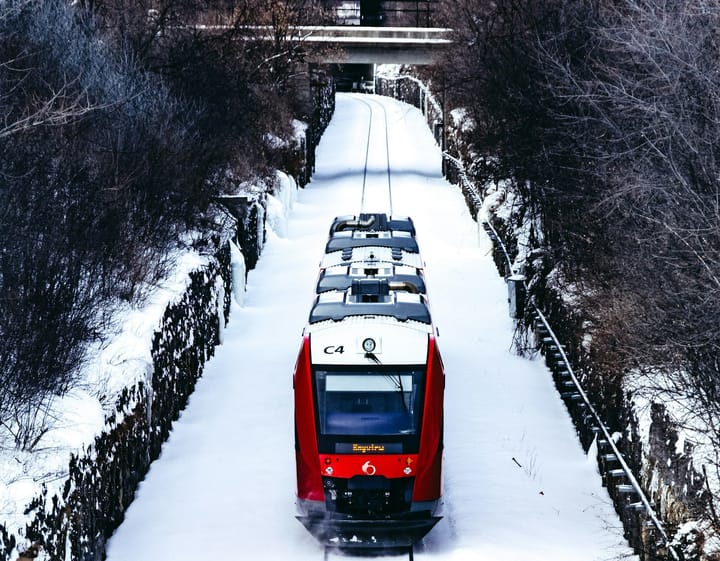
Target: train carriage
{"x":369,"y":386}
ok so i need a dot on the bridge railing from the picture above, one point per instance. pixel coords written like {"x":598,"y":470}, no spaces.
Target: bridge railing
{"x":414,"y":13}
{"x":374,"y":13}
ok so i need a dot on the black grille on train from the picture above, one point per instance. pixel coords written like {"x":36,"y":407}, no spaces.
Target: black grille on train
{"x":368,"y":496}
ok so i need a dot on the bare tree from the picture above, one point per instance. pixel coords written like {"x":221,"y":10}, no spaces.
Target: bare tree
{"x":114,"y":115}
{"x":607,"y":113}
{"x":95,"y":188}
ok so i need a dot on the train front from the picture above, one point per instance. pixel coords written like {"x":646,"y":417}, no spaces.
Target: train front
{"x":369,"y":386}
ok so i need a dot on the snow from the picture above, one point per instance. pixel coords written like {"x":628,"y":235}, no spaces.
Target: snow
{"x":517,"y":483}
{"x":75,"y":419}
{"x":280,"y":203}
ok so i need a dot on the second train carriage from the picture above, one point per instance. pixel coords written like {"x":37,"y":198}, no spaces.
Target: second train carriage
{"x":369,"y":386}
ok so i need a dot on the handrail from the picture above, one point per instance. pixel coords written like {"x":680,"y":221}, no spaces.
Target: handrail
{"x":430,"y":97}
{"x":606,"y":432}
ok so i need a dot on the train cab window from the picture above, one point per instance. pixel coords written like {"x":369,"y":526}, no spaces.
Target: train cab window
{"x":364,"y":403}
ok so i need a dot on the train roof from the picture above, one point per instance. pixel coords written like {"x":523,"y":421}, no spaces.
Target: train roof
{"x":341,"y":277}
{"x":402,"y":241}
{"x":372,"y":229}
{"x":372,"y":222}
{"x":371,"y":255}
{"x":371,"y":297}
{"x":371,"y":268}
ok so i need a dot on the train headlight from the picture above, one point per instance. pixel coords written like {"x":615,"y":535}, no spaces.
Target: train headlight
{"x":368,"y":345}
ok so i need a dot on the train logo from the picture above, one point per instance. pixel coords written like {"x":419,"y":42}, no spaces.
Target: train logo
{"x":368,"y":391}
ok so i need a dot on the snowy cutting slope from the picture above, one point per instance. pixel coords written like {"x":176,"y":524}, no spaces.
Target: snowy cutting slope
{"x":517,"y":483}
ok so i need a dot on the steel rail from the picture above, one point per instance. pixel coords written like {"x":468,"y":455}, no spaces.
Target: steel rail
{"x":367,"y":156}
{"x":387,"y":156}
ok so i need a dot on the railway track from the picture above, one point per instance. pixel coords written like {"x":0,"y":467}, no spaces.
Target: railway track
{"x":371,"y":198}
{"x":234,"y":442}
{"x":386,"y":523}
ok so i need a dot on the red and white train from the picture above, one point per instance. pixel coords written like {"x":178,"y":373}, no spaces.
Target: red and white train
{"x":369,"y":384}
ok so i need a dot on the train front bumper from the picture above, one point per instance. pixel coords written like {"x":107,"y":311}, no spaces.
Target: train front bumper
{"x":402,"y":530}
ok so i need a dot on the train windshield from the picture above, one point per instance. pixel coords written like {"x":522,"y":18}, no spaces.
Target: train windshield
{"x":384,"y":401}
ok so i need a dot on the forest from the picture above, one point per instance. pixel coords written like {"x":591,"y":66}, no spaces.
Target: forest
{"x":121,"y":124}
{"x":606,"y":115}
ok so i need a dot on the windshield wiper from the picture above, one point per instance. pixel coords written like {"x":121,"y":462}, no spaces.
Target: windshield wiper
{"x":397,"y":383}
{"x":401,"y":390}
{"x":372,"y":357}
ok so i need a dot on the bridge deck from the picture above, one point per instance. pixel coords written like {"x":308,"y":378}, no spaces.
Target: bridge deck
{"x":365,"y":45}
{"x":402,"y":45}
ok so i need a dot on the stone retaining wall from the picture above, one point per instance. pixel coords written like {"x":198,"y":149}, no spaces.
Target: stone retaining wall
{"x":102,"y":479}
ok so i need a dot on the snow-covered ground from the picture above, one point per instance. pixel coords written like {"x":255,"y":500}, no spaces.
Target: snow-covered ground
{"x":68,"y":424}
{"x":517,"y":483}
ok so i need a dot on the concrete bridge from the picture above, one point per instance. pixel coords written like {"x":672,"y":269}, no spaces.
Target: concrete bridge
{"x":352,"y":44}
{"x":355,"y":44}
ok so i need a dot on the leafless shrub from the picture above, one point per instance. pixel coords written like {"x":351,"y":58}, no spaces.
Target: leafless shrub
{"x":95,"y":189}
{"x":113,"y":115}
